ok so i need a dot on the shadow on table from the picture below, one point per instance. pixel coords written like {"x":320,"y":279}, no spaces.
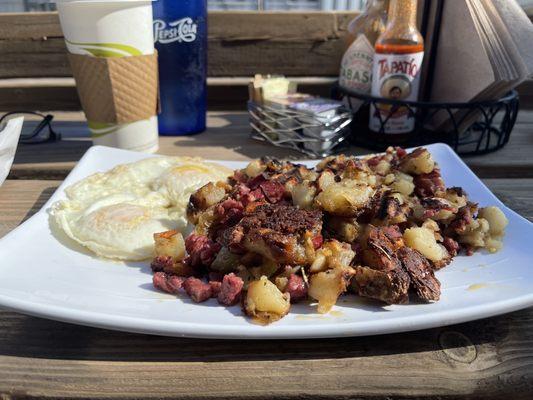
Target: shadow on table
{"x":232,"y":131}
{"x":60,"y":155}
{"x":39,"y":203}
{"x":75,"y":141}
{"x":25,"y":336}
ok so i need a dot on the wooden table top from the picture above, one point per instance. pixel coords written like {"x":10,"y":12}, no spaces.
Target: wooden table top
{"x":487,"y":359}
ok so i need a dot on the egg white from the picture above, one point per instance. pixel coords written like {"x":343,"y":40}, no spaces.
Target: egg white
{"x":116,"y":213}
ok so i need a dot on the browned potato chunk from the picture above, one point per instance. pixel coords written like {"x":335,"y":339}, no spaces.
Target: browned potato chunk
{"x":255,"y":168}
{"x":403,"y":184}
{"x":303,"y":195}
{"x":205,"y":197}
{"x":345,"y":229}
{"x":169,"y":244}
{"x":205,"y":219}
{"x":361,"y":176}
{"x":327,"y":286}
{"x":423,"y":240}
{"x":383,"y":167}
{"x":264,"y":301}
{"x":476,"y":234}
{"x":281,"y":283}
{"x":456,"y":196}
{"x":418,"y":162}
{"x":325,"y":179}
{"x":332,"y":254}
{"x":325,"y":162}
{"x":344,"y":198}
{"x":496,"y":219}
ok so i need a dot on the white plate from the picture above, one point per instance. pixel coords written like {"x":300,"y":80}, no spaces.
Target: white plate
{"x":43,"y":273}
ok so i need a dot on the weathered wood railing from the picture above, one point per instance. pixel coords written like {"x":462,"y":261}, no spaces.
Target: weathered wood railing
{"x":35,"y":74}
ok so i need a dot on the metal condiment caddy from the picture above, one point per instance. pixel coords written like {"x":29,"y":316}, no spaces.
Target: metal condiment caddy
{"x":308,"y":134}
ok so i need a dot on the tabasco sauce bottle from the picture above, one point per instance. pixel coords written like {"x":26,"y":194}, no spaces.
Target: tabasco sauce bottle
{"x":396,"y":72}
{"x":363,"y":31}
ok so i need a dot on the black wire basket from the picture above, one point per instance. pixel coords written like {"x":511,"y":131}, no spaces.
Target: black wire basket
{"x":470,"y":128}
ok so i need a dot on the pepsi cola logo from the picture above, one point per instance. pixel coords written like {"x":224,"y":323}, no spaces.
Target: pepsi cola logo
{"x":181,"y":30}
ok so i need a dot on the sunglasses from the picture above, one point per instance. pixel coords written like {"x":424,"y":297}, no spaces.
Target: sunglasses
{"x":34,"y":131}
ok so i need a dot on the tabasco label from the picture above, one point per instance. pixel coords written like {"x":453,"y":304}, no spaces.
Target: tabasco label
{"x":395,"y":76}
{"x":356,"y":66}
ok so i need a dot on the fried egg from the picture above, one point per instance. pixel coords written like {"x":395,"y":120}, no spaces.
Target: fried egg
{"x":116,"y":213}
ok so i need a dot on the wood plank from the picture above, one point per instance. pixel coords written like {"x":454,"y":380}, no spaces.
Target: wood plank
{"x":517,"y":194}
{"x":36,"y":26}
{"x":240,"y":43}
{"x":223,"y":93}
{"x":227,"y":138}
{"x":487,"y":359}
{"x":20,"y":199}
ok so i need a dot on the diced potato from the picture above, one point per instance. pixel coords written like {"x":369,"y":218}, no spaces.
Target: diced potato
{"x":344,"y":198}
{"x":486,"y":231}
{"x":325,"y":179}
{"x":345,"y":229}
{"x":456,"y":196}
{"x":418,"y":162}
{"x":290,"y":184}
{"x":423,"y":240}
{"x":383,"y":167}
{"x":327,"y":286}
{"x":476,"y":234}
{"x":281,"y":282}
{"x":403,"y":184}
{"x":265,"y":302}
{"x":307,"y":174}
{"x":496,"y":219}
{"x":255,"y":168}
{"x":325,"y":161}
{"x":332,"y":254}
{"x":303,"y":195}
{"x":366,"y":177}
{"x":493,"y":245}
{"x":389,"y":179}
{"x":205,"y":219}
{"x":205,"y":197}
{"x":320,"y":263}
{"x":433,"y":226}
{"x":171,"y":244}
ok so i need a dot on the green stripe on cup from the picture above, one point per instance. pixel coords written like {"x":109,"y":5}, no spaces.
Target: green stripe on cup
{"x":107,"y":49}
{"x":99,"y":129}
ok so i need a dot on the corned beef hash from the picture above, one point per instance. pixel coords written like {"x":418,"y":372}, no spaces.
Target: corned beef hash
{"x":277,"y":233}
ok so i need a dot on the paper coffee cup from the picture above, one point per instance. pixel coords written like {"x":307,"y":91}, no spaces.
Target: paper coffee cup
{"x":118,"y":28}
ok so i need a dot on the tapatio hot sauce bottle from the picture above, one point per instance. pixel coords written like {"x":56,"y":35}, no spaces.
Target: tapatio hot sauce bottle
{"x":396,"y":72}
{"x":363,"y":31}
